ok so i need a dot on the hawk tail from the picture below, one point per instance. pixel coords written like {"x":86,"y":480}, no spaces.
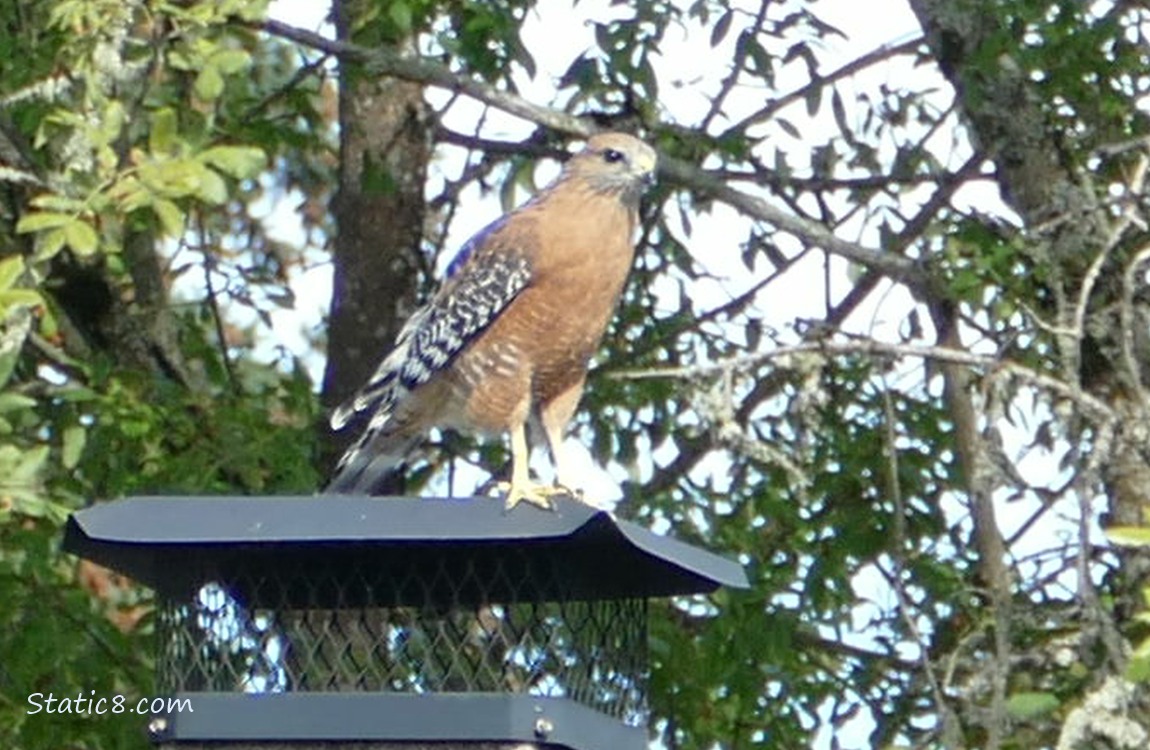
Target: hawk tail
{"x":365,"y":465}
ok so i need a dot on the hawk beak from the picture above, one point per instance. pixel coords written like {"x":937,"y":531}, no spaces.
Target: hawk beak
{"x":644,"y":166}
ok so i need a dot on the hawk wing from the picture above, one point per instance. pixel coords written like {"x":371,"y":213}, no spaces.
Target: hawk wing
{"x":482,"y":287}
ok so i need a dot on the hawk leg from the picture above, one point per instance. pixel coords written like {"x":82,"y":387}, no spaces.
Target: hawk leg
{"x":521,"y":488}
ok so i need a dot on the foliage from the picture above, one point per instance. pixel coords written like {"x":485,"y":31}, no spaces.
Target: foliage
{"x":114,"y":380}
{"x":884,"y":341}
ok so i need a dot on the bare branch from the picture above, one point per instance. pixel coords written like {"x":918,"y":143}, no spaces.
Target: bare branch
{"x":732,"y":78}
{"x":718,"y":408}
{"x":388,"y":62}
{"x":383,"y":61}
{"x":860,"y":63}
{"x":897,"y":267}
{"x":1097,"y":409}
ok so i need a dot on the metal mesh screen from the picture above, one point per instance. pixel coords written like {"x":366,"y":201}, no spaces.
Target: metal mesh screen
{"x":326,"y":630}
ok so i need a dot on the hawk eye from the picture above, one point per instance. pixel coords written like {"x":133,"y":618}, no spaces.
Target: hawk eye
{"x":611,"y":156}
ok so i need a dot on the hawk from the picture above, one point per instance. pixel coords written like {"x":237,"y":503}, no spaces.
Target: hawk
{"x":508,"y":337}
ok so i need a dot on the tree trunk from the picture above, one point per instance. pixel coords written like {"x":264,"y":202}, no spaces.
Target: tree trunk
{"x":1071,"y":236}
{"x":379,"y":208}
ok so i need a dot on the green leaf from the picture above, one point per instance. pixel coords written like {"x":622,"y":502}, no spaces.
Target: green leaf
{"x":14,"y":401}
{"x":81,"y":237}
{"x":20,"y":298}
{"x":173,"y":178}
{"x":814,"y":100}
{"x":1031,"y":705}
{"x":41,"y":220}
{"x":74,"y":440}
{"x":179,"y":59}
{"x":164,"y":135}
{"x":170,"y":215}
{"x":1129,"y":536}
{"x":11,"y":268}
{"x":241,"y":162}
{"x":209,"y":84}
{"x":50,"y":244}
{"x":251,"y":11}
{"x":22,"y":466}
{"x":16,"y":298}
{"x":58,"y":203}
{"x":132,"y":195}
{"x":77,"y":395}
{"x":719,"y":32}
{"x":401,"y":16}
{"x":212,"y":189}
{"x":110,"y":124}
{"x":1138,"y":670}
{"x":788,"y":127}
{"x":231,"y":61}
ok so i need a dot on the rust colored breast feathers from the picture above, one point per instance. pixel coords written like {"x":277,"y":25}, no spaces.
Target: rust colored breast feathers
{"x":508,"y":337}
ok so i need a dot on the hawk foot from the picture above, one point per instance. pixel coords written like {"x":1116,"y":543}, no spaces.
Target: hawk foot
{"x":539,"y":495}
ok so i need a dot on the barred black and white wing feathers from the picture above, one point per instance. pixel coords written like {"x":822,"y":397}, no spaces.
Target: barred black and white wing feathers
{"x":482,"y":286}
{"x":465,"y":307}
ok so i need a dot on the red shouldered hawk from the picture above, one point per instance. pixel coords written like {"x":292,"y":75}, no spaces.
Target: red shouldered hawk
{"x":508,"y":337}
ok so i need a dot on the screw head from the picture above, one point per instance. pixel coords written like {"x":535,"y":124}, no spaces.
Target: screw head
{"x":543,"y":727}
{"x":158,"y":726}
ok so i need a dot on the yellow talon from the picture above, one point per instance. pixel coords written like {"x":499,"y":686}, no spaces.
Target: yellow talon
{"x":539,"y":495}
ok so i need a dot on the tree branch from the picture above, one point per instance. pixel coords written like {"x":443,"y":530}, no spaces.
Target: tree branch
{"x":383,"y":61}
{"x":388,"y":62}
{"x":1091,"y":406}
{"x":854,"y":66}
